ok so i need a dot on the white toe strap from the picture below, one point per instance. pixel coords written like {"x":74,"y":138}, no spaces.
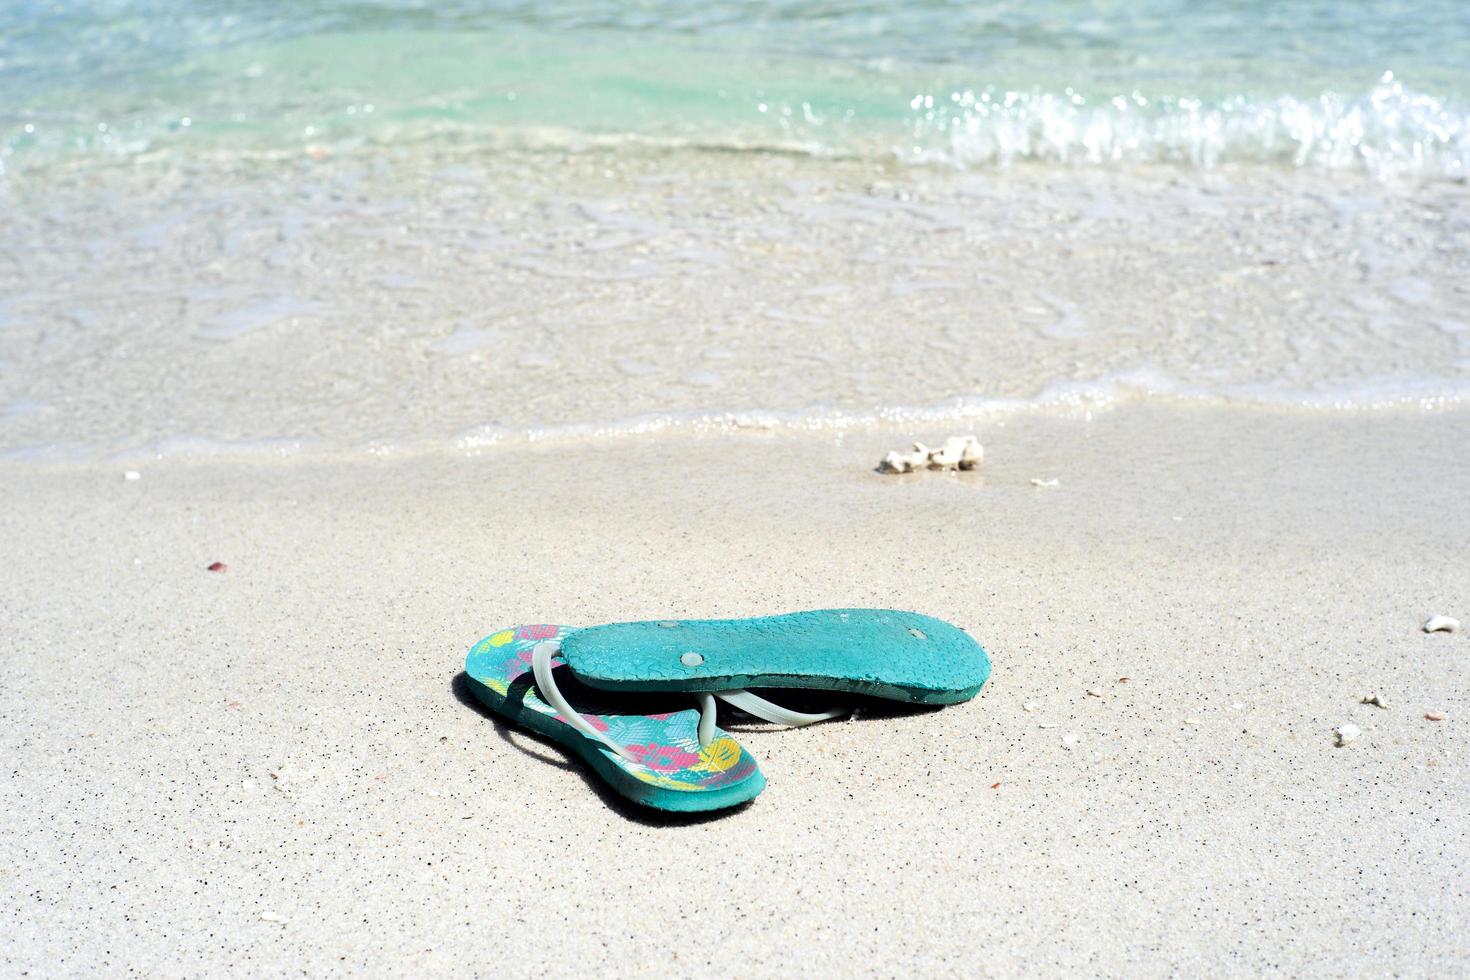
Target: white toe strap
{"x":753,"y":704}
{"x":749,"y":703}
{"x":706,"y":719}
{"x":546,"y":685}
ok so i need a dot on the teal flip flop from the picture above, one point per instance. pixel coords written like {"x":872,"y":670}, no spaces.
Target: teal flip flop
{"x":668,"y":760}
{"x":883,"y":653}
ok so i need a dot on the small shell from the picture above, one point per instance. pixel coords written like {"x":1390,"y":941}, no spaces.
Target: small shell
{"x":1441,"y":624}
{"x":897,"y":462}
{"x":1434,"y":716}
{"x":894,"y":462}
{"x":1346,"y":733}
{"x":1373,"y":699}
{"x":1030,"y":706}
{"x":973,"y":455}
{"x":949,"y":455}
{"x":957,"y":453}
{"x":1038,"y":482}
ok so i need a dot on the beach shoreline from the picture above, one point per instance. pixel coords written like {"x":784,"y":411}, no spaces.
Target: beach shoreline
{"x":380,"y":302}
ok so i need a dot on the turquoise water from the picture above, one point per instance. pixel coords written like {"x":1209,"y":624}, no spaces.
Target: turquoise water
{"x":1382,"y":85}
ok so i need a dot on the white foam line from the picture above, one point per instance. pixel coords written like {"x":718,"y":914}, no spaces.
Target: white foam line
{"x":1100,"y":394}
{"x":1071,"y":397}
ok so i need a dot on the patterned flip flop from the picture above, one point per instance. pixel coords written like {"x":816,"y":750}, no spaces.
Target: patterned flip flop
{"x":665,"y":759}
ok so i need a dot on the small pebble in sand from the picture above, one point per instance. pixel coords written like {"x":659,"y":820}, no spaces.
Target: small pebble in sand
{"x":1441,"y":624}
{"x":1093,"y":692}
{"x":218,"y":566}
{"x":132,"y":475}
{"x":957,"y":453}
{"x":1372,"y":699}
{"x":995,"y":785}
{"x":1038,"y":482}
{"x":1030,"y":706}
{"x":1046,"y":724}
{"x":1343,"y":734}
{"x":1124,"y":680}
{"x":1434,"y":716}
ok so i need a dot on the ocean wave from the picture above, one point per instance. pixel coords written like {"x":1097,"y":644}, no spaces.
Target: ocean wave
{"x":1391,"y":131}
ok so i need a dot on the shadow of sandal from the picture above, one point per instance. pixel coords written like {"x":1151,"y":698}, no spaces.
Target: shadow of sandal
{"x":515,"y":736}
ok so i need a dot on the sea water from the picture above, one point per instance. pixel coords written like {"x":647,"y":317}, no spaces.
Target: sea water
{"x":1378,"y":84}
{"x":387,"y":224}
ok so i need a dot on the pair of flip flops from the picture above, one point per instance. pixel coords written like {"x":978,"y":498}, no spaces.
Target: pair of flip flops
{"x":636,"y":701}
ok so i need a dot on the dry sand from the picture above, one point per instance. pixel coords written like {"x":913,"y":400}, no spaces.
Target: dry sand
{"x":276,"y":769}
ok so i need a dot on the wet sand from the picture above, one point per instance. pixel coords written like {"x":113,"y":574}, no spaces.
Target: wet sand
{"x":439,"y":298}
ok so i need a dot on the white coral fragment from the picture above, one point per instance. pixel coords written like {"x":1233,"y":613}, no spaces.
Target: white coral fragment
{"x":897,"y":462}
{"x":1346,"y":733}
{"x":956,"y":453}
{"x":973,"y":454}
{"x":1438,"y":624}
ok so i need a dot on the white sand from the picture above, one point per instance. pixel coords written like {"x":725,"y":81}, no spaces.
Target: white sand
{"x":274,"y":770}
